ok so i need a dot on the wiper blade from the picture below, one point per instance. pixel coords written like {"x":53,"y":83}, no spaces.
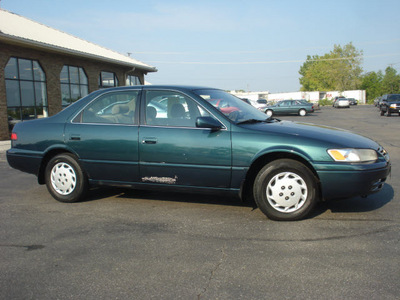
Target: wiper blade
{"x":252,"y":121}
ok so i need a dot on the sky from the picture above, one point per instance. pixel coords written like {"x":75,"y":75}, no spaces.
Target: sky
{"x":253,"y":45}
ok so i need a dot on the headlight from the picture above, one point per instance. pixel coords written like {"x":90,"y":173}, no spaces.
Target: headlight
{"x":353,"y":155}
{"x":392,"y":105}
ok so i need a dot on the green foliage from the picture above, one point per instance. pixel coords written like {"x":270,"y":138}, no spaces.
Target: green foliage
{"x":376,"y":84}
{"x":372,"y":84}
{"x":339,"y":70}
{"x":325,"y":102}
{"x":391,"y":81}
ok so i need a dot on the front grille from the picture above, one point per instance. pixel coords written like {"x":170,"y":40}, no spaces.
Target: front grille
{"x":384,"y":153}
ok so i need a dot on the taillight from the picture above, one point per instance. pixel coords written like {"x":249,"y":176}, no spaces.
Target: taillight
{"x":14,"y":136}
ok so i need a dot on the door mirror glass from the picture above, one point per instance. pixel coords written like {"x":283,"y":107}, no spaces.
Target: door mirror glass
{"x":208,"y":122}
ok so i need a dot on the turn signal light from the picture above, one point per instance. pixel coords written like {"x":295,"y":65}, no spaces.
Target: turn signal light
{"x":14,"y":136}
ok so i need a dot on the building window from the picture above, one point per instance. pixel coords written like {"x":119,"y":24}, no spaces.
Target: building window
{"x":132,"y":80}
{"x":25,"y":90}
{"x":107,"y":79}
{"x":74,"y":84}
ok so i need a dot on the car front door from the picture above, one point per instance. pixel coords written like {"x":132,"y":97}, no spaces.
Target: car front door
{"x":173,"y":151}
{"x":105,"y":137}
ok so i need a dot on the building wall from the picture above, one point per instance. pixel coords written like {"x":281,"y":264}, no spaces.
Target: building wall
{"x":251,"y":95}
{"x":52,"y":63}
{"x":316,"y":96}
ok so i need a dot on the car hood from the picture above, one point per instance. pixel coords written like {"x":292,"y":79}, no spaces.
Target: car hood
{"x":330,"y":136}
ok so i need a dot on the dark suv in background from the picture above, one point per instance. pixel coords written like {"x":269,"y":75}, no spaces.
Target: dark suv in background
{"x":389,"y":104}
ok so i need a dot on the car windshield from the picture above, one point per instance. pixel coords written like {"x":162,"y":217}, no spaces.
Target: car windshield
{"x":232,"y":107}
{"x":394,"y":98}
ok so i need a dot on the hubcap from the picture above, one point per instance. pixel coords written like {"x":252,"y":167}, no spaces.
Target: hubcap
{"x":63,"y":178}
{"x":268,"y":113}
{"x":286,"y":192}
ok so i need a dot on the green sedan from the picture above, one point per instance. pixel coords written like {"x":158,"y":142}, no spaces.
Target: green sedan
{"x":198,"y":139}
{"x":288,"y":107}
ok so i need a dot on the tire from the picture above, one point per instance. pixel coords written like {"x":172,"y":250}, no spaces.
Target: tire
{"x":388,"y":113}
{"x":302,"y":112}
{"x":269,"y":112}
{"x":382,"y":113}
{"x":285,"y":190}
{"x":65,"y":179}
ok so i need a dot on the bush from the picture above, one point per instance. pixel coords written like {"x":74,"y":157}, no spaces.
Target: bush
{"x":325,"y":102}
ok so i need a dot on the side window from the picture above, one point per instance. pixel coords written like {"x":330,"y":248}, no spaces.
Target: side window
{"x":164,"y":108}
{"x":112,"y":108}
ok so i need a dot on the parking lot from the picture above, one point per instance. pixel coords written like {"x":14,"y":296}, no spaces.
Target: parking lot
{"x":129,"y":244}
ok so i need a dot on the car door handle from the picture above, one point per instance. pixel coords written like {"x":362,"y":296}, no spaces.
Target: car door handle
{"x":149,"y":140}
{"x":74,"y":137}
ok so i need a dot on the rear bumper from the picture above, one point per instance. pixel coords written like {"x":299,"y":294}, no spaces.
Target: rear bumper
{"x":24,"y":161}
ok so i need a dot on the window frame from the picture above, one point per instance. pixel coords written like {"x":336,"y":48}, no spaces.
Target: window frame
{"x":128,"y":80}
{"x":79,"y":117}
{"x":194,"y":105}
{"x":36,"y":82}
{"x":115,"y":80}
{"x":69,"y":84}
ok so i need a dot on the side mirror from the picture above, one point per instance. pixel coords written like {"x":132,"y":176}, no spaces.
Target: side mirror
{"x":208,"y":122}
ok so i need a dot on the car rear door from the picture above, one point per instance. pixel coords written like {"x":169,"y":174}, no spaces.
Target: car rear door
{"x":173,"y":151}
{"x":105,"y":137}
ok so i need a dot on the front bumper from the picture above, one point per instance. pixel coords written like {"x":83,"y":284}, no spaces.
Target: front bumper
{"x":350,"y":183}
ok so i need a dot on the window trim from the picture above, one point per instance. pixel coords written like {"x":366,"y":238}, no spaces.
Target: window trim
{"x":129,"y":76}
{"x":142,"y":120}
{"x":115,"y":78}
{"x":70,"y":84}
{"x":42,"y":80}
{"x":78,"y":117}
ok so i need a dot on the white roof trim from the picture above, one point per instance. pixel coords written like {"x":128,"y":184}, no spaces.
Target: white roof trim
{"x":20,"y":29}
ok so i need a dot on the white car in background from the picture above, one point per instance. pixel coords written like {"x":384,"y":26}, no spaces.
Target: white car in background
{"x":260,"y":104}
{"x":341,"y":102}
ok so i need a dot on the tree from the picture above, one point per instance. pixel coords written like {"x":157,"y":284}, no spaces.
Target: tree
{"x":372,"y":84}
{"x":391,"y":81}
{"x":340,"y":69}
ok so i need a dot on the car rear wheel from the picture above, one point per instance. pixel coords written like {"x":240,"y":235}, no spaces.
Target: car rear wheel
{"x":65,"y":179}
{"x":285,"y":190}
{"x":302,"y":112}
{"x":269,"y":112}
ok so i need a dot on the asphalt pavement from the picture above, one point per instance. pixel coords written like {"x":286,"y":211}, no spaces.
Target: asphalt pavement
{"x":130,"y":244}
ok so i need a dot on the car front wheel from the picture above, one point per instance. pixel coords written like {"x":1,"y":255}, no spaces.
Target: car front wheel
{"x":285,"y":190}
{"x":65,"y":179}
{"x":269,"y":112}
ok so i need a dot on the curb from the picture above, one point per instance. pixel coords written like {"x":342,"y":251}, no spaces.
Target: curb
{"x":5,"y":145}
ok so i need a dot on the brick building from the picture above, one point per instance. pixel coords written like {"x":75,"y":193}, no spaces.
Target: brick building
{"x":43,"y":70}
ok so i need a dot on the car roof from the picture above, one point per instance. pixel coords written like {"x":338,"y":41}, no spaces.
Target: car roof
{"x":173,"y":87}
